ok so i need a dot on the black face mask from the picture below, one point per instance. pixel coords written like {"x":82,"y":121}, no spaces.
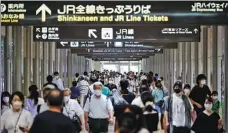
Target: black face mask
{"x":177,"y":90}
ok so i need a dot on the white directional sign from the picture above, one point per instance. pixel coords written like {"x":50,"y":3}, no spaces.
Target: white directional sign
{"x":196,"y":30}
{"x":43,"y":9}
{"x":92,"y":33}
{"x":63,"y":43}
{"x":37,"y":29}
{"x":38,"y":36}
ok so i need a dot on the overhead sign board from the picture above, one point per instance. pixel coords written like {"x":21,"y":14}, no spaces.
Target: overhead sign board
{"x":147,"y":33}
{"x":116,"y":59}
{"x":82,"y":45}
{"x":118,"y":50}
{"x":117,"y":56}
{"x":113,"y":12}
{"x":113,"y":54}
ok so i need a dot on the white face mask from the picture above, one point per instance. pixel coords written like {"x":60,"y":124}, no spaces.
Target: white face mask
{"x":97,"y":92}
{"x":17,"y":105}
{"x":203,"y":82}
{"x":110,"y":82}
{"x":208,"y":106}
{"x":66,"y":99}
{"x":57,"y":77}
{"x":186,"y":92}
{"x":6,"y":99}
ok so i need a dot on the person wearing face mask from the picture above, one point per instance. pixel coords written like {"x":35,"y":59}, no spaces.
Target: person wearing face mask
{"x":58,"y":81}
{"x":98,"y":111}
{"x":178,"y":112}
{"x":111,"y":84}
{"x":159,"y":93}
{"x":5,"y":101}
{"x":44,"y":107}
{"x":72,"y":108}
{"x":216,"y":102}
{"x":16,"y":119}
{"x":199,"y":93}
{"x":207,"y":121}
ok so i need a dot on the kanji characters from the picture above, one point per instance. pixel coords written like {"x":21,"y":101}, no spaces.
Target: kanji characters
{"x":90,"y":9}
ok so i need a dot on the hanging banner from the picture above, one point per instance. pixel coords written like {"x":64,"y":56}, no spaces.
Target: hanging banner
{"x":118,"y":33}
{"x":113,"y":12}
{"x":116,"y":59}
{"x":117,"y":50}
{"x":117,"y":56}
{"x":125,"y":44}
{"x":113,"y":54}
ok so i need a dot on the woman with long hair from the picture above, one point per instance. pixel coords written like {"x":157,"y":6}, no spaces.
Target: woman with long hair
{"x":33,"y":101}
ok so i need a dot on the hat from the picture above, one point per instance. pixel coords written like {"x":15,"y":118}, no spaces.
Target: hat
{"x":178,"y":83}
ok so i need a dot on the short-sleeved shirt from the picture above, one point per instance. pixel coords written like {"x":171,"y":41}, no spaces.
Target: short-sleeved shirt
{"x":159,"y":94}
{"x":199,"y":94}
{"x":206,"y":124}
{"x":71,"y":108}
{"x":9,"y":119}
{"x":98,"y":108}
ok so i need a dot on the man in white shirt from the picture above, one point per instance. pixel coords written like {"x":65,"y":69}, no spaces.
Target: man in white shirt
{"x":58,"y":81}
{"x":72,"y":107}
{"x":98,"y":111}
{"x":179,"y":111}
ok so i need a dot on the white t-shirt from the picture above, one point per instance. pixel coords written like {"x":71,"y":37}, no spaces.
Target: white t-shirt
{"x":71,"y":108}
{"x":9,"y":119}
{"x":178,"y":108}
{"x":98,"y":108}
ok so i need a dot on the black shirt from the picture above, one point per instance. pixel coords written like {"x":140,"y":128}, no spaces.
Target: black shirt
{"x":206,"y":124}
{"x":52,"y":122}
{"x":199,"y":95}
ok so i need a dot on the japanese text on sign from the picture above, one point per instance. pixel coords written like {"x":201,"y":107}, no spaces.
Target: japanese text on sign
{"x":15,"y":12}
{"x":209,"y":7}
{"x":70,"y":13}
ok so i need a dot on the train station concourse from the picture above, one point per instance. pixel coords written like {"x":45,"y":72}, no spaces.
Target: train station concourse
{"x":136,"y":45}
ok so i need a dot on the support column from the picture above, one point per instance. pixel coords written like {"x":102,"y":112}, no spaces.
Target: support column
{"x":214,"y":57}
{"x":196,"y":53}
{"x":19,"y":56}
{"x":50,"y":55}
{"x":226,"y":79}
{"x":45,"y":61}
{"x":69,"y":68}
{"x":183,"y":62}
{"x":61,"y":64}
{"x":57,"y":59}
{"x":36,"y":69}
{"x":188,"y":62}
{"x":27,"y":68}
{"x":8,"y":60}
{"x":205,"y":42}
{"x":193,"y":59}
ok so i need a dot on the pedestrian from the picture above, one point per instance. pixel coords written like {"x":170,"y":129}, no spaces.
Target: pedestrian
{"x":98,"y":111}
{"x":52,"y":120}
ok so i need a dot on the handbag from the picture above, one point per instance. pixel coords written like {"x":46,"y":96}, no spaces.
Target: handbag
{"x":76,"y":121}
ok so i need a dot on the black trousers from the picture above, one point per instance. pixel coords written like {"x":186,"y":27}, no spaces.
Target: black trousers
{"x":98,"y":125}
{"x":181,"y":130}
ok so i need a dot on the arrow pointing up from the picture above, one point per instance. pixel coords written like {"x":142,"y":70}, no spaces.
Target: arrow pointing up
{"x":92,"y":33}
{"x":196,"y":30}
{"x":43,"y":9}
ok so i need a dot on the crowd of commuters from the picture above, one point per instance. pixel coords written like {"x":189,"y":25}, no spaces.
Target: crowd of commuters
{"x":132,"y":102}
